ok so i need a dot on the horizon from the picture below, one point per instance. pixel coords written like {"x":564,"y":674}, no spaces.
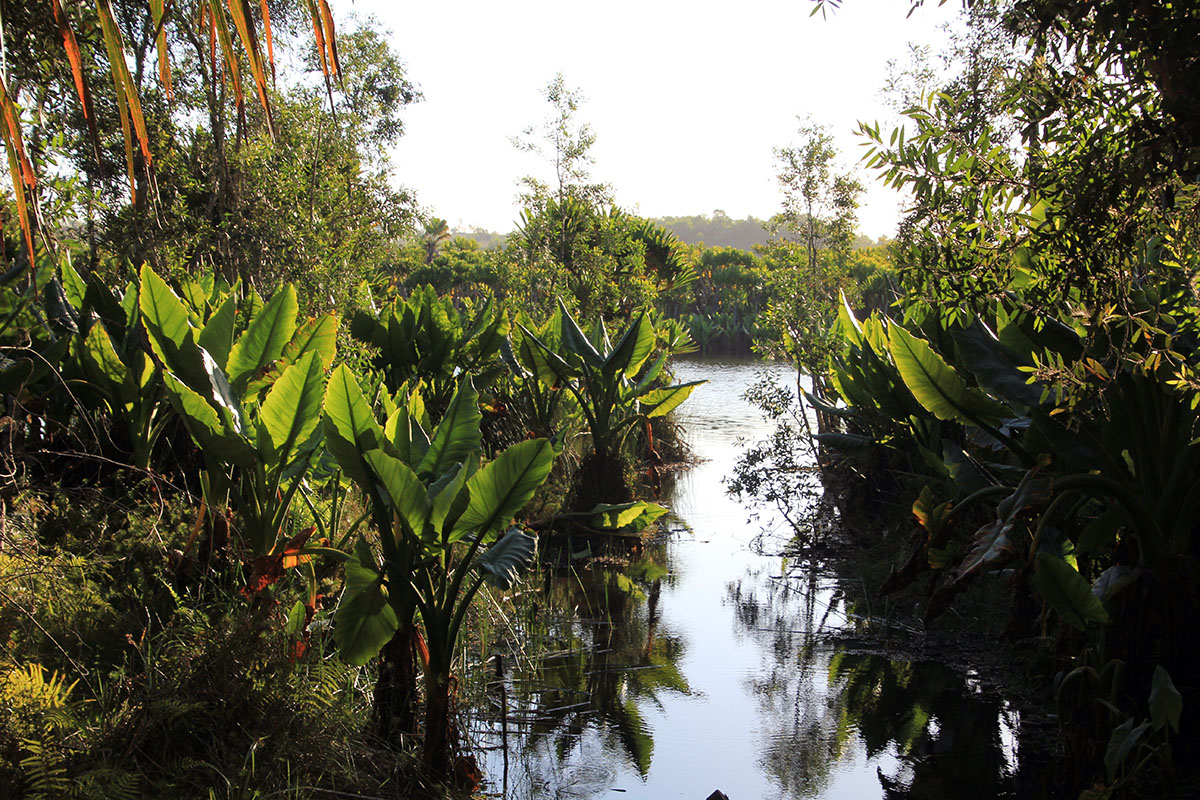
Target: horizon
{"x":708,"y":82}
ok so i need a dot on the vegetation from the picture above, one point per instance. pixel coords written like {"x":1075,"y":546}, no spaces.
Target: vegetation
{"x":263,"y":459}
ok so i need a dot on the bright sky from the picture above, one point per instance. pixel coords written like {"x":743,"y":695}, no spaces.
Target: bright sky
{"x":687,"y":99}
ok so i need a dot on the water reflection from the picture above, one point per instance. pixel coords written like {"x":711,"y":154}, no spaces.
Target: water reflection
{"x":694,"y":662}
{"x":928,"y":729}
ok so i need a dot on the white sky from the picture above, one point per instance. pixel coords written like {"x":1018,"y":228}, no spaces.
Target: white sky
{"x":687,"y":99}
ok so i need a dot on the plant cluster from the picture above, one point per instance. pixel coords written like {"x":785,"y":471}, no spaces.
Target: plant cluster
{"x":1035,"y":377}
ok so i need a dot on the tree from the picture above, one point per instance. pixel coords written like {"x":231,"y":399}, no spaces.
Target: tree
{"x":565,"y":144}
{"x":201,"y":176}
{"x":818,"y":202}
{"x":436,"y":232}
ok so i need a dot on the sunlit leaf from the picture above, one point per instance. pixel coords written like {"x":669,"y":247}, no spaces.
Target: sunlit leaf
{"x":293,"y":406}
{"x":365,"y":620}
{"x":505,"y":485}
{"x":264,"y":340}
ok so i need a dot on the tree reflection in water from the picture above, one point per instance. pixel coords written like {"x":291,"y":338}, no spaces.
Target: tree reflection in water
{"x":821,"y":704}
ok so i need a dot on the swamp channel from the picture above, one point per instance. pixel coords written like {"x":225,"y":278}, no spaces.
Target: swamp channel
{"x":715,"y":656}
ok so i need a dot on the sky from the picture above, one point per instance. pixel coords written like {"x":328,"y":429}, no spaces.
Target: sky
{"x":687,"y":99}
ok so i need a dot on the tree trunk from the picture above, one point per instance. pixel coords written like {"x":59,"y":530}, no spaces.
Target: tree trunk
{"x":439,"y":738}
{"x":395,"y":696}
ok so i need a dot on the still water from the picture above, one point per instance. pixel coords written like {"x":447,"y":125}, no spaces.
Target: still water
{"x":700,"y":662}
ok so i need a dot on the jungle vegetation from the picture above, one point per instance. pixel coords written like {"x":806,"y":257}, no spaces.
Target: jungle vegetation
{"x":261,"y":459}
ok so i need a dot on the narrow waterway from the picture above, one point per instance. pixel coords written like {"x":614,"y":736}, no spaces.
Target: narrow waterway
{"x":697,"y":662}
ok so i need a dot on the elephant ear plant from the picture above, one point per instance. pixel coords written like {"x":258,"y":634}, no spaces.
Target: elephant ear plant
{"x":252,"y":403}
{"x":444,"y":529}
{"x":613,"y":391}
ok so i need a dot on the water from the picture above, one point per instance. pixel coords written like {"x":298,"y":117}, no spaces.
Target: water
{"x":698,"y":663}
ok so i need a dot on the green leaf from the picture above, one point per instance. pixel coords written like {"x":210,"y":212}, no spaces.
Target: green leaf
{"x":317,"y":334}
{"x":937,"y":387}
{"x":170,"y":330}
{"x":503,"y":562}
{"x":350,"y":426}
{"x":295,"y":619}
{"x":1067,"y":592}
{"x":457,"y":436}
{"x":164,"y":315}
{"x":636,"y":515}
{"x":104,"y":366}
{"x":217,"y":336}
{"x":847,"y":322}
{"x":1124,"y":739}
{"x":543,"y":361}
{"x":444,"y":493}
{"x":264,"y":339}
{"x":405,"y":492}
{"x":227,"y":403}
{"x":632,"y":349}
{"x":206,"y":428}
{"x":576,"y":341}
{"x":504,"y":486}
{"x":660,"y":402}
{"x":845,"y":442}
{"x":1166,"y":703}
{"x":293,"y":407}
{"x":365,"y":620}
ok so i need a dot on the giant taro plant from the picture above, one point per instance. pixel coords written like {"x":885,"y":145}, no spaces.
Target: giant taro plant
{"x":443,"y":524}
{"x":251,"y":400}
{"x":613,"y":391}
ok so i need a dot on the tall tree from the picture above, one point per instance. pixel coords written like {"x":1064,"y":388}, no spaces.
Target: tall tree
{"x":819,"y":202}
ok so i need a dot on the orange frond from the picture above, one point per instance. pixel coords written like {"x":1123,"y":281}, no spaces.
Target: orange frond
{"x":244,"y":22}
{"x":81,"y":84}
{"x":127,"y":94}
{"x":266,"y":17}
{"x":18,"y":163}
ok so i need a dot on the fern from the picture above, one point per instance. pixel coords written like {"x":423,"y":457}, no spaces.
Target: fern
{"x":109,"y":784}
{"x":43,"y":769}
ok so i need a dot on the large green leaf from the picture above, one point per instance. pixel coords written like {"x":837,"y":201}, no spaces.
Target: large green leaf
{"x":170,"y":330}
{"x":104,"y":366}
{"x":847,"y":323}
{"x":632,"y":349}
{"x":317,"y":334}
{"x":541,"y":359}
{"x":1067,"y":592}
{"x":350,"y":426}
{"x":503,"y":487}
{"x":502,"y":563}
{"x":226,"y":401}
{"x":937,"y":387}
{"x":457,"y":435}
{"x":217,"y":336}
{"x":993,"y":365}
{"x":365,"y":620}
{"x":264,"y":339}
{"x":207,"y":429}
{"x":405,"y":492}
{"x":447,"y":494}
{"x":293,"y":407}
{"x":575,"y":341}
{"x":660,"y":402}
{"x":1121,"y":743}
{"x":163,"y":313}
{"x":635,"y":516}
{"x":1166,"y":703}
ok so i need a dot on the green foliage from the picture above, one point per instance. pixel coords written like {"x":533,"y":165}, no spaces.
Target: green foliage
{"x":253,"y":417}
{"x":426,"y":339}
{"x":612,"y":391}
{"x":440,"y":517}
